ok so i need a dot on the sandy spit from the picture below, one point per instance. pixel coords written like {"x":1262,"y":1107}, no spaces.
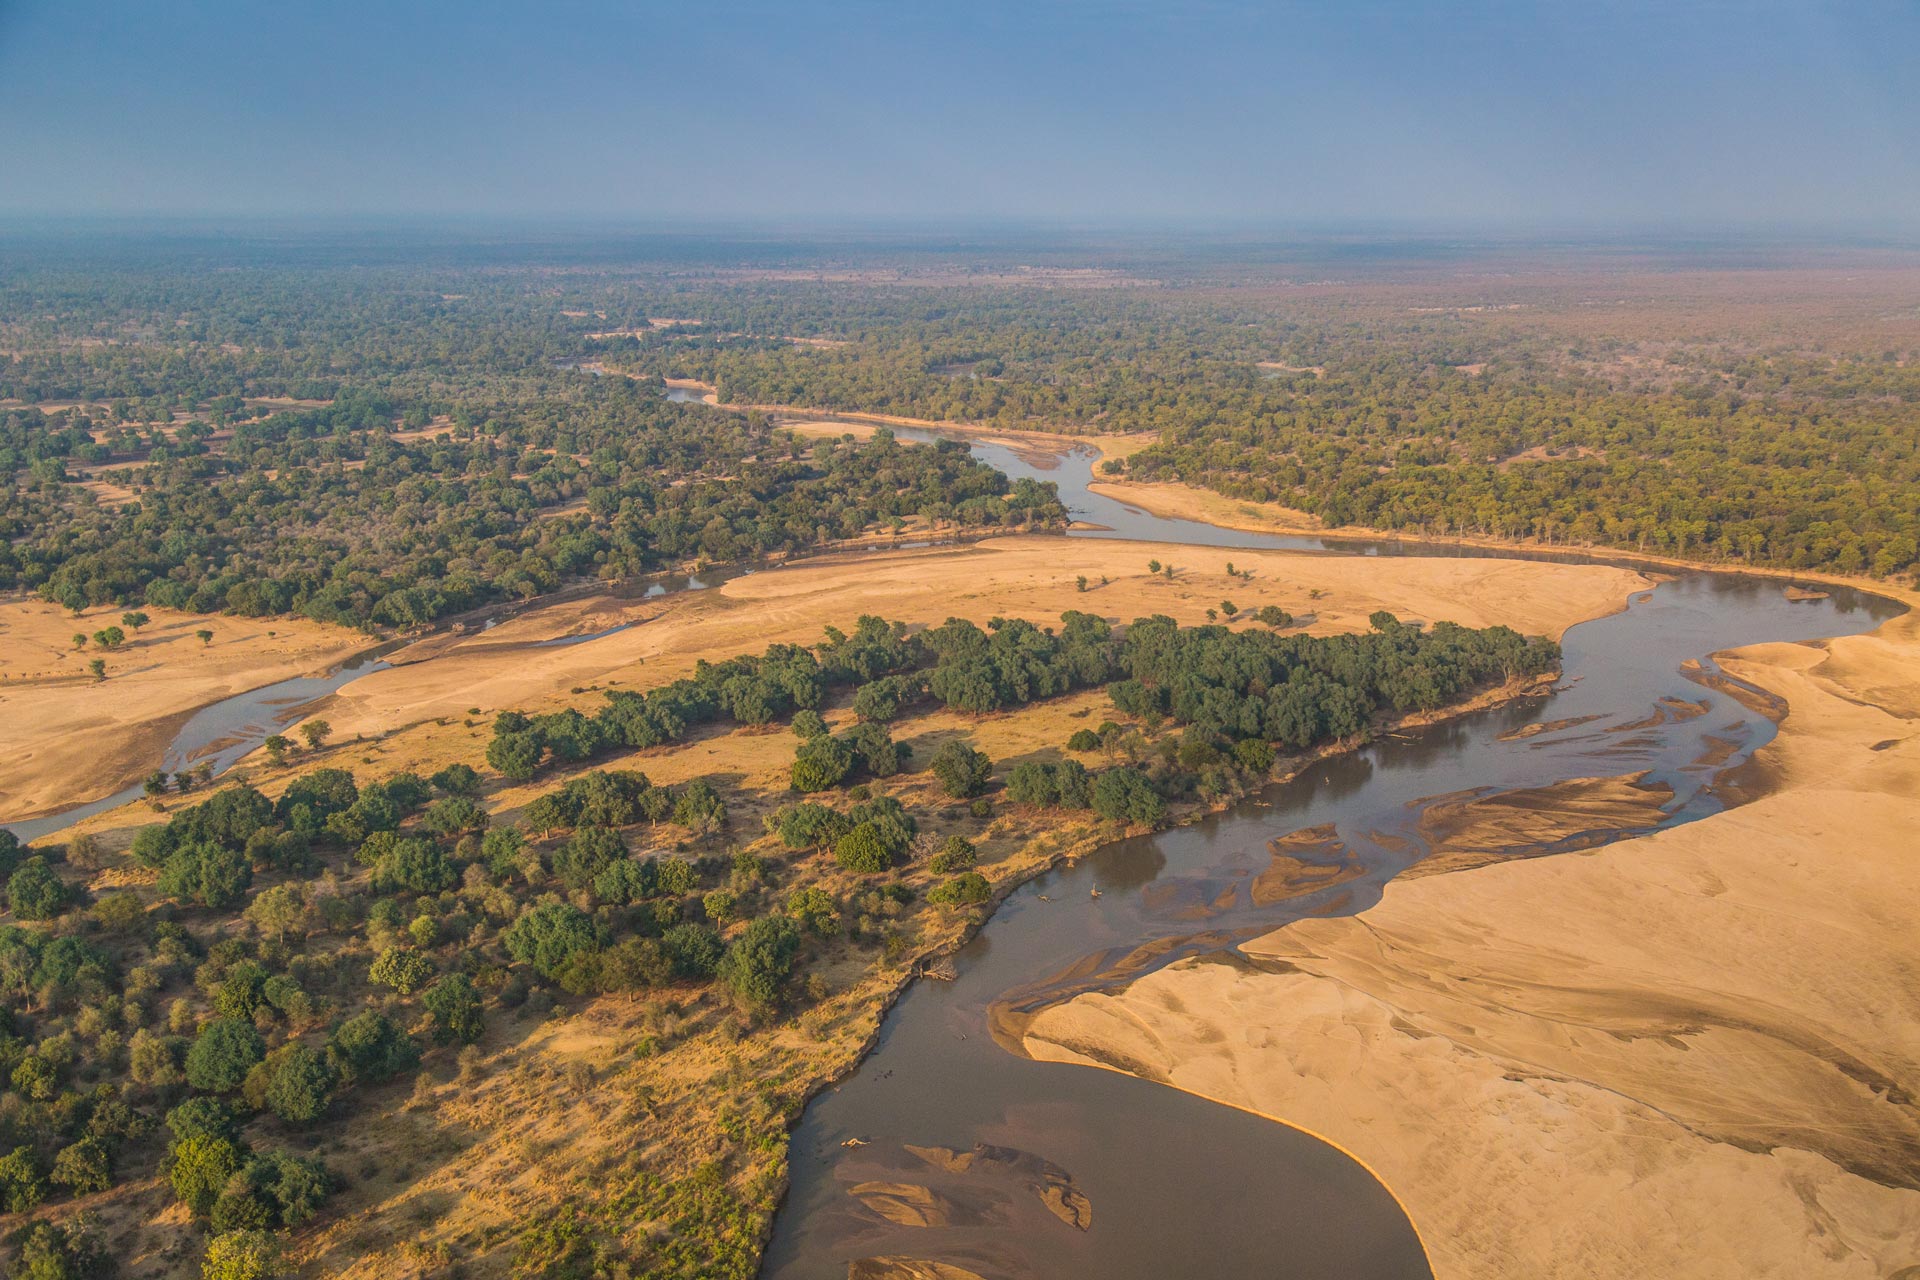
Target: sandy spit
{"x":1690,"y":1054}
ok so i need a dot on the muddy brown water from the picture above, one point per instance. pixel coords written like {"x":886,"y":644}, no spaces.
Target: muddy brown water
{"x":1180,"y":1186}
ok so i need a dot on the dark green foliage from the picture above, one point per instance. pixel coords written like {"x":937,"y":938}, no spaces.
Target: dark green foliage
{"x":821,"y":763}
{"x":874,"y":750}
{"x":75,"y":1249}
{"x":610,"y":798}
{"x":695,"y":949}
{"x":962,"y":771}
{"x":12,"y":852}
{"x":453,"y":1005}
{"x":34,"y":892}
{"x":699,"y":808}
{"x":963,"y":890}
{"x":1083,"y":740}
{"x":1296,"y":689}
{"x":402,"y":968}
{"x":516,"y":755}
{"x":413,"y":866}
{"x":457,"y":780}
{"x":814,"y":908}
{"x":298,"y":1083}
{"x":587,"y":854}
{"x":208,"y":875}
{"x":810,"y":826}
{"x":757,"y":964}
{"x":1253,"y":754}
{"x":549,"y":935}
{"x":957,"y":855}
{"x":456,"y":816}
{"x":22,"y":1184}
{"x":1064,"y":785}
{"x":808,"y":724}
{"x":370,"y":1048}
{"x":1014,"y":662}
{"x":1125,"y":795}
{"x":864,"y":849}
{"x":223,"y":1052}
{"x":274,"y":1189}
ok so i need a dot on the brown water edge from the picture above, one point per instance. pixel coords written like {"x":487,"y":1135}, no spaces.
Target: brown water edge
{"x":1675,"y":744}
{"x":1456,"y":832}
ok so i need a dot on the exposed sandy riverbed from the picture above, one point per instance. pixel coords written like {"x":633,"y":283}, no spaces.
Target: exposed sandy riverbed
{"x":1028,"y":576}
{"x":68,"y":737}
{"x":1691,"y":1054}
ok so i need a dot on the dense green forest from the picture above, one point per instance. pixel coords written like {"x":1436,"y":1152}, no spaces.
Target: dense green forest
{"x":292,"y":954}
{"x":323,"y":511}
{"x":1441,"y":420}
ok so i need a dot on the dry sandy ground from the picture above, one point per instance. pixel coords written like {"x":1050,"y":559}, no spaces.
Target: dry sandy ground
{"x":1691,"y":1054}
{"x":68,"y":738}
{"x":1029,"y":577}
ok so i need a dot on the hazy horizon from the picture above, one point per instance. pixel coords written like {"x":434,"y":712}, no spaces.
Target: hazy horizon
{"x":1103,"y":113}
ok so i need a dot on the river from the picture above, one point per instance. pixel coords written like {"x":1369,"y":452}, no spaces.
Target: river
{"x":1178,"y":1185}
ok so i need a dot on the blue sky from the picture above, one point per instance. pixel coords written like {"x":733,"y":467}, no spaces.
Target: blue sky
{"x":1598,"y":114}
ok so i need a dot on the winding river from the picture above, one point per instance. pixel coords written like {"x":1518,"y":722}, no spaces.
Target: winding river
{"x":946,"y":1146}
{"x":943,"y":1144}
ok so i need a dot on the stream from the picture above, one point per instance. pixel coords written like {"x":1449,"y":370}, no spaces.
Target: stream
{"x":957,"y":1138}
{"x":976,"y":1157}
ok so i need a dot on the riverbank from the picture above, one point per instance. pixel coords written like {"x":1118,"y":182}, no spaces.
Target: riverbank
{"x":649,"y":642}
{"x":69,"y":737}
{"x":1689,"y":1053}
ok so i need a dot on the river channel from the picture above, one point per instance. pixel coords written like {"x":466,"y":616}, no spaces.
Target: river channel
{"x":941,"y":1147}
{"x":948,"y":1147}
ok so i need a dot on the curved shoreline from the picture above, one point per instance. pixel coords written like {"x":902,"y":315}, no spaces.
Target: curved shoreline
{"x":1471,"y":1045}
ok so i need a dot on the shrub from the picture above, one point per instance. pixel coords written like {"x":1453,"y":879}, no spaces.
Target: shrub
{"x":21,"y":1185}
{"x":222,"y":1054}
{"x":370,"y":1048}
{"x":208,"y":874}
{"x":457,"y":780}
{"x":810,"y":826}
{"x":198,"y":1168}
{"x":963,"y":890}
{"x":808,"y":724}
{"x":757,"y":965}
{"x":1254,"y":754}
{"x":241,"y":1255}
{"x":453,"y":1005}
{"x":549,"y":935}
{"x":813,"y":907}
{"x":298,"y":1083}
{"x":1125,"y":795}
{"x":414,"y":866}
{"x":820,"y":764}
{"x":1083,"y":740}
{"x":34,"y":892}
{"x":962,"y":771}
{"x":694,"y":949}
{"x":699,"y":808}
{"x":863,"y":849}
{"x":958,"y":855}
{"x":401,"y":968}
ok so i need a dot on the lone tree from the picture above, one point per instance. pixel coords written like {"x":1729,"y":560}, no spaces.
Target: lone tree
{"x":206,"y":636}
{"x":134,"y":621}
{"x":99,"y":668}
{"x":962,"y":771}
{"x":276,"y":745}
{"x":316,"y":732}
